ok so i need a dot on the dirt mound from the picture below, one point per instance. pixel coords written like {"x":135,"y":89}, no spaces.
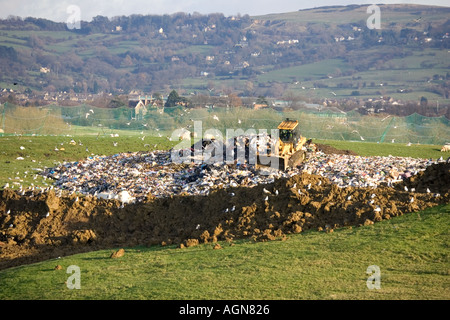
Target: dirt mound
{"x":37,"y":227}
{"x":434,"y":179}
{"x":332,"y":150}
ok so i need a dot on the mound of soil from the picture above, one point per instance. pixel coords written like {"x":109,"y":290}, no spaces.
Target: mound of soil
{"x":434,"y":179}
{"x":42,"y":226}
{"x":332,"y":150}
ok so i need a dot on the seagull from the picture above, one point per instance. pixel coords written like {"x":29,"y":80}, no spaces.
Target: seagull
{"x":22,"y":148}
{"x":267,"y":198}
{"x":216,"y":118}
{"x":92,"y":111}
{"x":411,"y":200}
{"x":428,"y":190}
{"x":197,"y":227}
{"x":406,"y":188}
{"x":266,"y":191}
{"x":87,"y":115}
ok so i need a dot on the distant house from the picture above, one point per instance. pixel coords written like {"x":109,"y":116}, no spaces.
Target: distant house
{"x":141,"y":109}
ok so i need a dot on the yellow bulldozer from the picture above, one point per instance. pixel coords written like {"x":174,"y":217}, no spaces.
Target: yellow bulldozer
{"x":290,"y":149}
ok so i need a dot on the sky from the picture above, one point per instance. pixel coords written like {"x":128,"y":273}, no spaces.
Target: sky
{"x":62,"y":10}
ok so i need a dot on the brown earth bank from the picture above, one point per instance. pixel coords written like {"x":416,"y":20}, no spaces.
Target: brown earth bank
{"x":332,"y":150}
{"x":38,"y":227}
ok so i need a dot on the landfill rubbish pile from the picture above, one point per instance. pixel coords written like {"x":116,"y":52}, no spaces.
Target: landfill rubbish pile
{"x":188,"y":204}
{"x":142,"y":175}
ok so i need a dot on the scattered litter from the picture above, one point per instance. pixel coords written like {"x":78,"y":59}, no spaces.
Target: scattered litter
{"x":145,"y":174}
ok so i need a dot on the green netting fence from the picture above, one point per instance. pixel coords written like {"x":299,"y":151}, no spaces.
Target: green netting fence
{"x":327,"y":125}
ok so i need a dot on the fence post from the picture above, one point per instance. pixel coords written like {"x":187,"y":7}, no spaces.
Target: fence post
{"x":387,"y":130}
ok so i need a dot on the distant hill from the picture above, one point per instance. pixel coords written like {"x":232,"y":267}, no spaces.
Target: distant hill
{"x":321,"y":54}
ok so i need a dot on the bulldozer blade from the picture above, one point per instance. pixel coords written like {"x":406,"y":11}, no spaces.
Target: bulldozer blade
{"x":274,"y":162}
{"x":296,"y":159}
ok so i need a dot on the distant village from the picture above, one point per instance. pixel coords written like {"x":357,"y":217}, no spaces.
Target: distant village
{"x":142,"y":103}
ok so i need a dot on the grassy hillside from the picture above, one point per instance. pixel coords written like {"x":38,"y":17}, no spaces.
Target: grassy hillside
{"x":242,"y":56}
{"x":404,"y":79}
{"x":393,"y":13}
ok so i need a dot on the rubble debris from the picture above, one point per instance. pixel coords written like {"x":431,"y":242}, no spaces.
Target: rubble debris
{"x":136,"y":176}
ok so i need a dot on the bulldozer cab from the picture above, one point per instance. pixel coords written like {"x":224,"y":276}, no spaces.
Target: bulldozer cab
{"x":288,"y":150}
{"x":289,"y":131}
